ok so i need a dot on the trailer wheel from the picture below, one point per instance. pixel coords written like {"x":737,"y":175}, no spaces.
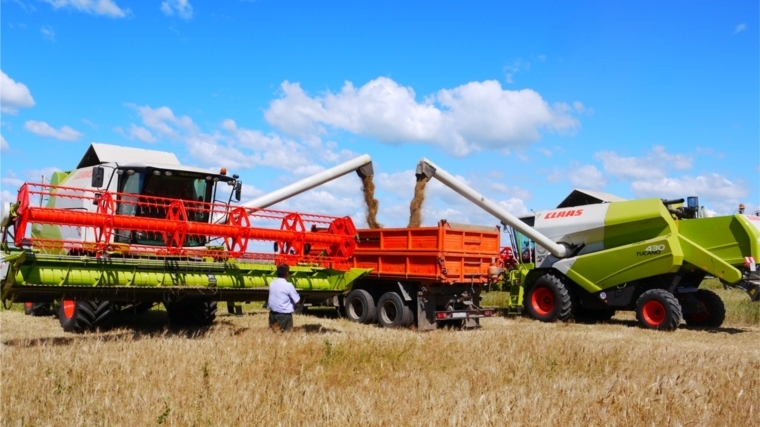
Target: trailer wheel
{"x":392,"y":312}
{"x":658,"y":309}
{"x":37,"y":308}
{"x":79,"y":316}
{"x":360,"y":306}
{"x":548,"y":300}
{"x":711,"y":313}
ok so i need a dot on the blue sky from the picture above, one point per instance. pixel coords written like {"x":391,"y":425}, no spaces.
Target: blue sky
{"x":524,"y":100}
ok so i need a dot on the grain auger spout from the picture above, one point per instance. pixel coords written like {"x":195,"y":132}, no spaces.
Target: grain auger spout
{"x":362,"y":165}
{"x":428,"y":169}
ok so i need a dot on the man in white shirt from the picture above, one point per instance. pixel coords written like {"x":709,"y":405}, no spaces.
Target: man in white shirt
{"x":282,"y":300}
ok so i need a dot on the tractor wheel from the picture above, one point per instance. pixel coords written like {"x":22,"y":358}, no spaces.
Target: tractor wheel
{"x":37,"y":308}
{"x":585,"y":315}
{"x":711,"y":313}
{"x":658,"y":309}
{"x":195,"y":313}
{"x":79,"y":316}
{"x":548,"y":300}
{"x":360,"y":306}
{"x":392,"y":312}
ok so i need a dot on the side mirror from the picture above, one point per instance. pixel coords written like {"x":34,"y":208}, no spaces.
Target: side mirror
{"x":98,"y":174}
{"x":238,"y":191}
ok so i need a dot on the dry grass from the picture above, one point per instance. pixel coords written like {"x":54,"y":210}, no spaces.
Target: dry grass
{"x":331,"y":372}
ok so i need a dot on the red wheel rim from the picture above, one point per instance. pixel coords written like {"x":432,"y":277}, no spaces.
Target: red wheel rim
{"x":542,"y":300}
{"x":68,"y":308}
{"x":653,"y":312}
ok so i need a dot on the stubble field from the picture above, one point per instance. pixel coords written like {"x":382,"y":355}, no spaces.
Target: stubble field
{"x":512,"y":371}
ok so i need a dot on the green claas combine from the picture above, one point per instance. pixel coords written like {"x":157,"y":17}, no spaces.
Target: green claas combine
{"x":591,"y":257}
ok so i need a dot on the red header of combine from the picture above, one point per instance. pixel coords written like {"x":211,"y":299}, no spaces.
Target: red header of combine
{"x":107,"y":222}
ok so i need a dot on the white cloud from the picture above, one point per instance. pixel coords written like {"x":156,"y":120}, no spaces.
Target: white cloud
{"x":472,"y":117}
{"x":48,"y":33}
{"x":516,"y":66}
{"x":4,"y":147}
{"x":722,"y":194}
{"x":181,"y":8}
{"x":237,"y":147}
{"x":654,"y":165}
{"x":45,"y":130}
{"x":739,"y":28}
{"x":141,"y":133}
{"x":13,"y":95}
{"x":93,"y":7}
{"x":587,"y":177}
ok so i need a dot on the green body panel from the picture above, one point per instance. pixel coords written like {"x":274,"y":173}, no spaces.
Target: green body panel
{"x":41,"y":269}
{"x":602,"y":270}
{"x":701,"y":258}
{"x":731,"y":238}
{"x":635,"y":221}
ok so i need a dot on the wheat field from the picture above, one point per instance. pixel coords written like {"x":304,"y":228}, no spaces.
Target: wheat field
{"x":511,"y":371}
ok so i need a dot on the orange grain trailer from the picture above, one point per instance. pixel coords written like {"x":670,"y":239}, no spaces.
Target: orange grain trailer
{"x":431,"y":275}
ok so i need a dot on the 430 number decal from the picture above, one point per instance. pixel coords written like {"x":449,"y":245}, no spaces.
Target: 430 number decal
{"x":651,"y":250}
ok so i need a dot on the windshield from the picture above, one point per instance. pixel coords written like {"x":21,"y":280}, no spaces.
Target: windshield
{"x":188,"y":188}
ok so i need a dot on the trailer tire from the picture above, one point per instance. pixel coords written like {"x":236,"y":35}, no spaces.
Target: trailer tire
{"x":392,"y":312}
{"x":548,"y":300}
{"x":714,"y":311}
{"x":360,"y":306}
{"x":658,"y":309}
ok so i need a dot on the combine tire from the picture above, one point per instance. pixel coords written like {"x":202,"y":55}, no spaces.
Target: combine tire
{"x":360,"y":306}
{"x":392,"y":312}
{"x":37,"y":309}
{"x":658,"y":309}
{"x":80,"y":316}
{"x":548,"y":300}
{"x":194,"y":313}
{"x":711,"y":313}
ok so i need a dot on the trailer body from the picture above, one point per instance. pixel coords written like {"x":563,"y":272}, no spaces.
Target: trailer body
{"x":437,"y":272}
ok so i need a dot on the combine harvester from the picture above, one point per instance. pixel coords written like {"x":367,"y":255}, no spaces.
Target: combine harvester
{"x":120,"y":233}
{"x":588,"y":259}
{"x":123,"y":233}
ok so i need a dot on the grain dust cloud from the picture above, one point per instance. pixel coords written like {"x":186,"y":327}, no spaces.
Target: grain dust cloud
{"x":368,"y":189}
{"x":415,"y":207}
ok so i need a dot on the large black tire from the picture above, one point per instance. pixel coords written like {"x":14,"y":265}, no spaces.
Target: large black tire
{"x":392,"y":312}
{"x":658,"y":309}
{"x":711,"y":313}
{"x":80,"y":316}
{"x":360,"y":306}
{"x":193,"y":313}
{"x":548,"y":300}
{"x":38,"y":308}
{"x":585,"y":315}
